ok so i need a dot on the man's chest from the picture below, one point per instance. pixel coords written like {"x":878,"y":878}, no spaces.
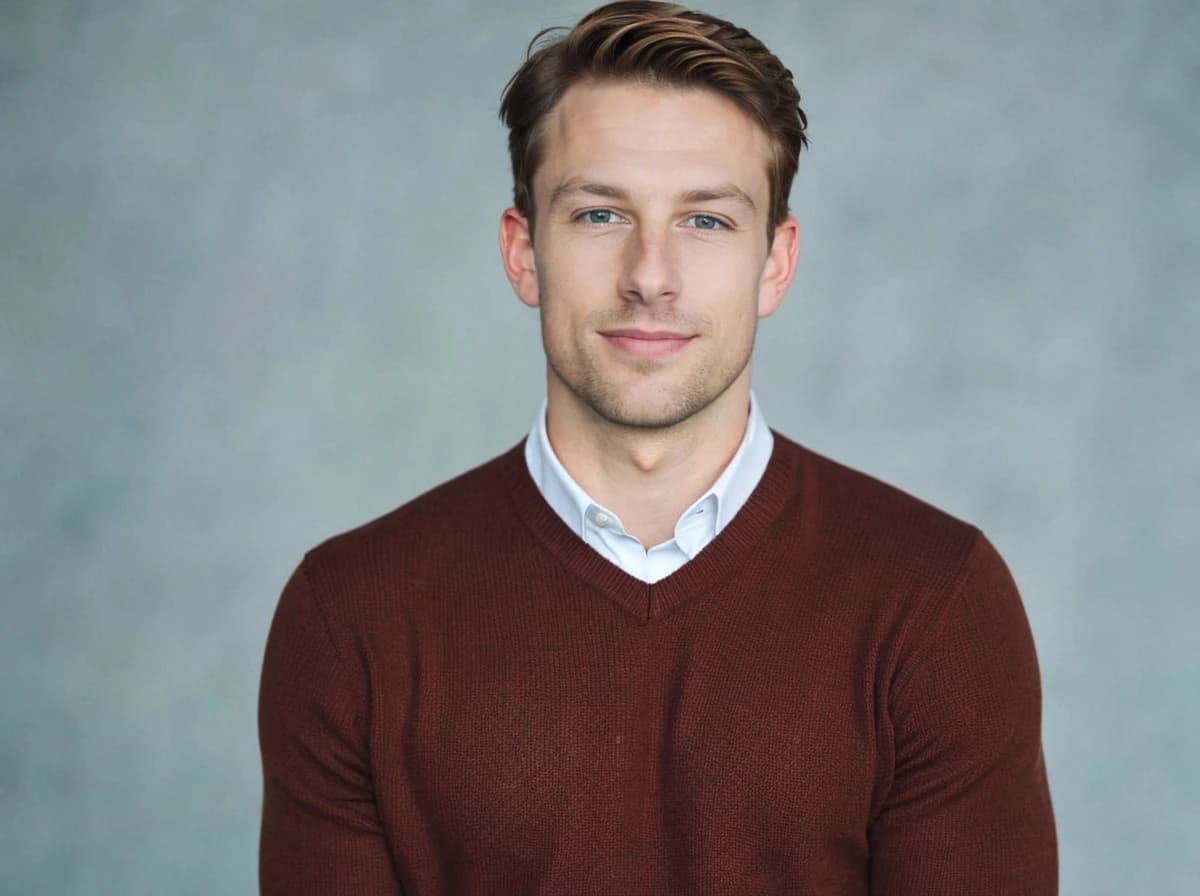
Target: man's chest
{"x":694,"y":747}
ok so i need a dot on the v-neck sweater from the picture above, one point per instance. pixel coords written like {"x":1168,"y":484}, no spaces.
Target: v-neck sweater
{"x":601,"y":527}
{"x":838,"y":695}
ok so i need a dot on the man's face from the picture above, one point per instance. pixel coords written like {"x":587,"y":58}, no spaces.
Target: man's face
{"x":650,"y":259}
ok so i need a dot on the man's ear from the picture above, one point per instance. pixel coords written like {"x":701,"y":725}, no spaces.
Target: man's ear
{"x":516,"y":251}
{"x":780,"y":267}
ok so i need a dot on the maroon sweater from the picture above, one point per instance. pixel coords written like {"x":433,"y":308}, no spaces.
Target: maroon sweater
{"x":838,"y":696}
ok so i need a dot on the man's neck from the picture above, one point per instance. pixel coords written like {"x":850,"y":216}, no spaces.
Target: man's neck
{"x":648,"y":477}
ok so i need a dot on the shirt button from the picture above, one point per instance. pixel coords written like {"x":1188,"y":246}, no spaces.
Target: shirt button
{"x":601,"y":519}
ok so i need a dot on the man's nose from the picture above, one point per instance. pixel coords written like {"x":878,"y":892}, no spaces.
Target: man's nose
{"x":650,"y":272}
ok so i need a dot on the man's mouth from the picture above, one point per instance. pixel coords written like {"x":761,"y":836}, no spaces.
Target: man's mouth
{"x":646,"y":343}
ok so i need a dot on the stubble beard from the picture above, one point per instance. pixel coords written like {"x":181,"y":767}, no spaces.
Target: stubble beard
{"x":578,"y":367}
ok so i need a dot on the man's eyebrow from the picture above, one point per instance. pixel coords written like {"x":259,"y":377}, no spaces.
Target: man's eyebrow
{"x":575,"y":185}
{"x":607,"y":191}
{"x":724,"y":191}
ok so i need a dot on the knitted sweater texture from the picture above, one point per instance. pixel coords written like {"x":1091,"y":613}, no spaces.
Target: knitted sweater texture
{"x":838,"y":696}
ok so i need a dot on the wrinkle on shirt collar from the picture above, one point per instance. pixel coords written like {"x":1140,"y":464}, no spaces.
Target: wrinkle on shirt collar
{"x":697,"y":526}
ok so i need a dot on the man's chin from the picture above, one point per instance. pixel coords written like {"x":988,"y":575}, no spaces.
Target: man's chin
{"x":660,"y":401}
{"x":647,"y":414}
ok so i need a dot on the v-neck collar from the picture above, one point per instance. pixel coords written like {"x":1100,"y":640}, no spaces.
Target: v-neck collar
{"x":709,"y":569}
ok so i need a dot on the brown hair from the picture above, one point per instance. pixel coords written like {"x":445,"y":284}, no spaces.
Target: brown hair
{"x":655,"y":43}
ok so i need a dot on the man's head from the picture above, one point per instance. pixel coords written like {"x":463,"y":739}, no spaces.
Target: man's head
{"x":655,"y":147}
{"x":655,"y":44}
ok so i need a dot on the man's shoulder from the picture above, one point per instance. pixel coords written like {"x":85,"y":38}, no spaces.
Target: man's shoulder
{"x":452,"y":513}
{"x":852,"y":507}
{"x":901,"y":559}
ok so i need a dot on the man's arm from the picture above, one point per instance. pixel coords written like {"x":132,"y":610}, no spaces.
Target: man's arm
{"x":321,"y":833}
{"x":968,"y":812}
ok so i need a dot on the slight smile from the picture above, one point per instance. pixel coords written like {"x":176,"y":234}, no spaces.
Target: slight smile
{"x":646,"y":343}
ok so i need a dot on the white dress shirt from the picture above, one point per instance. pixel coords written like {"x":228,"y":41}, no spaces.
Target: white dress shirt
{"x":601,"y":529}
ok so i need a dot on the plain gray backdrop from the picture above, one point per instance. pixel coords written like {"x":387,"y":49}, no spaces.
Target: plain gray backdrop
{"x":251,"y":296}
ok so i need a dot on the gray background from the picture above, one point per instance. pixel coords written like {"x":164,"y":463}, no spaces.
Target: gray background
{"x":251,"y":296}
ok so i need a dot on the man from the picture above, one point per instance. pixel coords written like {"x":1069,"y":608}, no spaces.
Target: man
{"x":656,"y":648}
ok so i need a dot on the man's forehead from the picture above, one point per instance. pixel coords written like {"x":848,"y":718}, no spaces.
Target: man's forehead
{"x":600,"y":104}
{"x":617,"y":134}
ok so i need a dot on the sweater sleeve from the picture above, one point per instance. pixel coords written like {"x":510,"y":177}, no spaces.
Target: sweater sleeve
{"x":321,"y":834}
{"x":968,"y":812}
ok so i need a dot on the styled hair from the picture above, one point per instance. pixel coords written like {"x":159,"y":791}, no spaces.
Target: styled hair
{"x":656,"y":44}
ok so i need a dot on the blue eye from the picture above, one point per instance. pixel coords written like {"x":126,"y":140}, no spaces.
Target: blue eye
{"x":706,"y":222}
{"x":598,"y":216}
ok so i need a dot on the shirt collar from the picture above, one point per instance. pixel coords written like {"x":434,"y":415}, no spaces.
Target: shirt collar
{"x":694,"y":529}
